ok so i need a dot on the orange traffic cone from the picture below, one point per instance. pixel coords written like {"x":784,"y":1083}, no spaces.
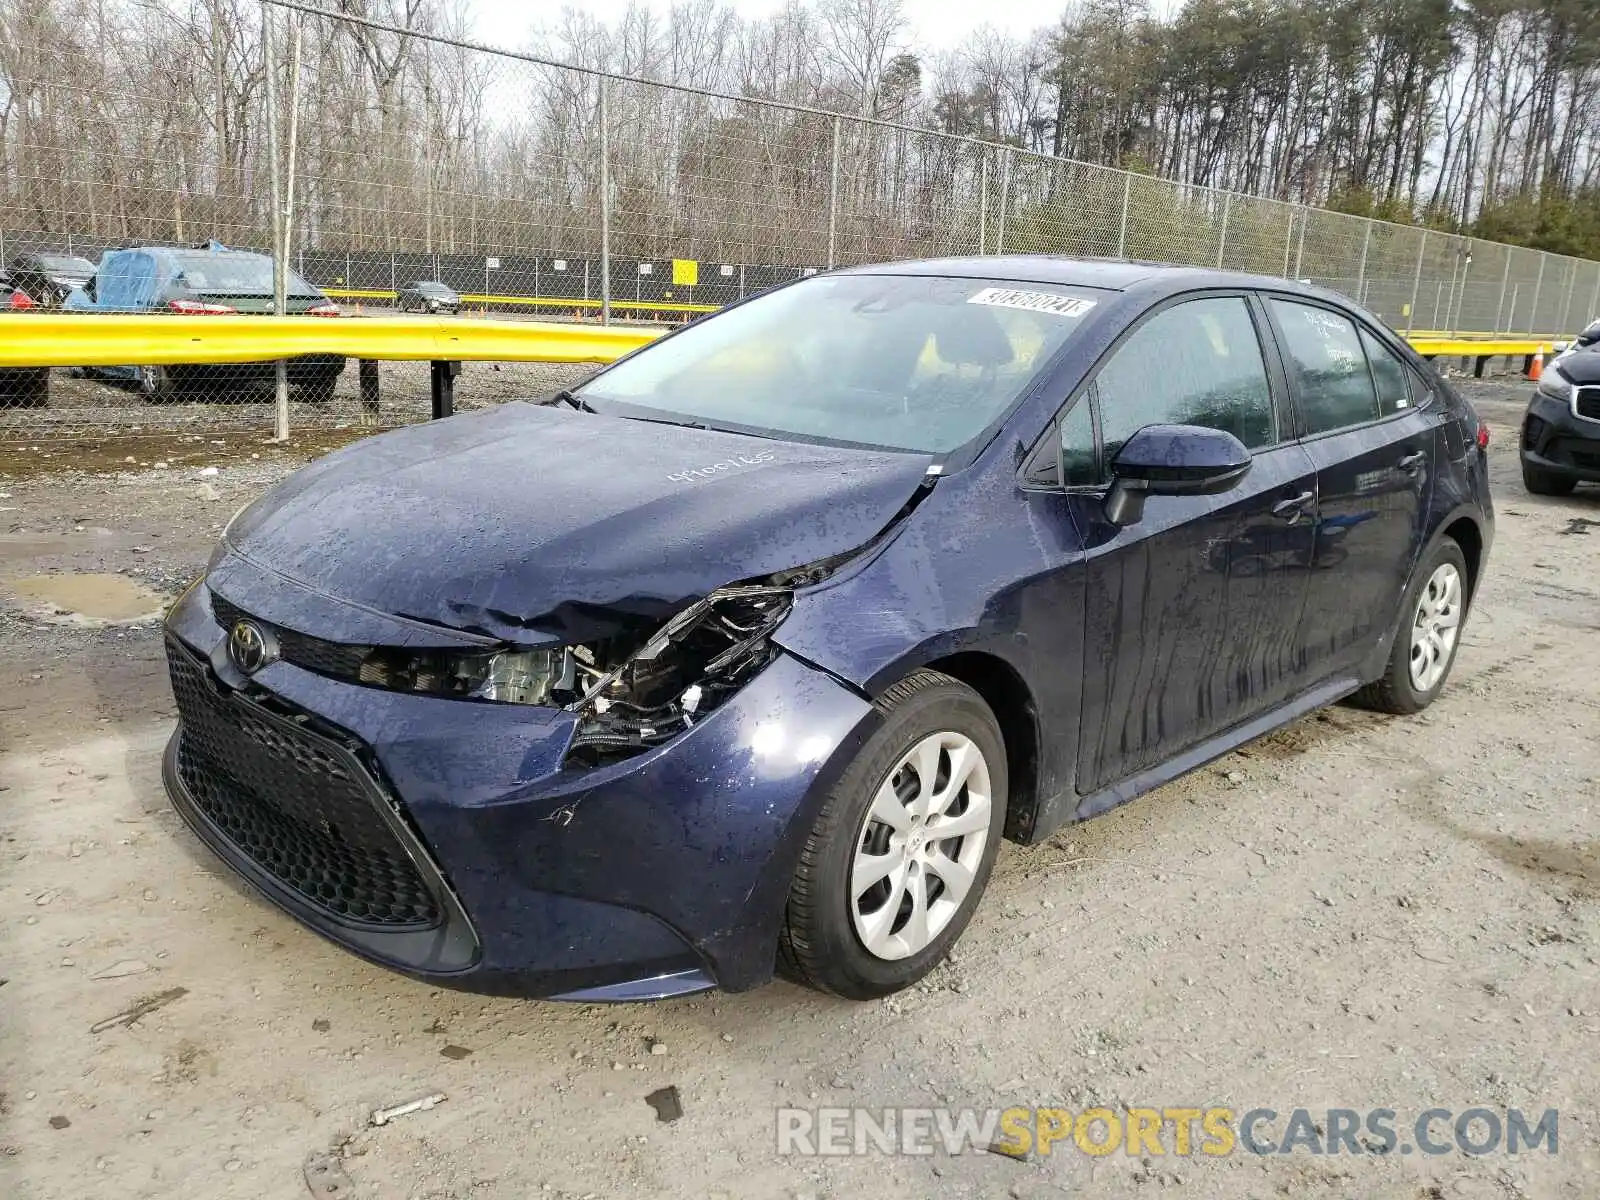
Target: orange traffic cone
{"x":1537,"y":367}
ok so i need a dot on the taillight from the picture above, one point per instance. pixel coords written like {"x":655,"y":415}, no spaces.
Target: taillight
{"x":323,"y":310}
{"x":21,"y":300}
{"x":198,"y":307}
{"x":1483,"y":434}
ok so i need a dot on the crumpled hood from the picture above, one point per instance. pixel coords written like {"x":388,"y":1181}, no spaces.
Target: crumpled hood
{"x":527,"y":522}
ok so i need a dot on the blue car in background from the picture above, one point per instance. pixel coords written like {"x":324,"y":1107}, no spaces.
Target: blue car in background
{"x":748,"y":653}
{"x":210,"y":281}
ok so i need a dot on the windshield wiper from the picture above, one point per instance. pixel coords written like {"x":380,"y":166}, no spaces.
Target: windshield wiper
{"x":566,"y":396}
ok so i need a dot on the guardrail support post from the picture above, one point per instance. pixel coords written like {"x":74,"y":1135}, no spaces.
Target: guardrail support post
{"x":368,"y":370}
{"x":444,"y":387}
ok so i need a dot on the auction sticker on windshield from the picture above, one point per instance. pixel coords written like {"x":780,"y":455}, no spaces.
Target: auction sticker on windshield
{"x":1061,"y":306}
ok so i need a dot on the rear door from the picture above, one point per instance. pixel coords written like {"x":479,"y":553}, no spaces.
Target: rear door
{"x":1374,"y":450}
{"x":1191,"y":614}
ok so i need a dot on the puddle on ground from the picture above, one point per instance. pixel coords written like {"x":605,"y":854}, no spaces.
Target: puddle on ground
{"x":89,"y":598}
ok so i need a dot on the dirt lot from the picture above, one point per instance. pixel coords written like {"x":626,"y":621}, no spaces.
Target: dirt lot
{"x":1356,"y":912}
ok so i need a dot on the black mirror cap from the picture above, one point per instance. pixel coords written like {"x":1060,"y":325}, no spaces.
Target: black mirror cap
{"x":1180,"y":460}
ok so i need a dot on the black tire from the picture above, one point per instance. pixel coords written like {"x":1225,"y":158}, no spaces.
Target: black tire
{"x":1395,"y":692}
{"x":318,"y":391}
{"x":818,"y":945}
{"x":1546,"y":483}
{"x":155,"y":385}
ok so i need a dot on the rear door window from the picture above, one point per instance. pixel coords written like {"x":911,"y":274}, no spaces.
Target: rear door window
{"x":1325,"y":358}
{"x":1389,"y":376}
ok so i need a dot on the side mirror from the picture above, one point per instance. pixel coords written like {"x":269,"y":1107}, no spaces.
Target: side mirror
{"x":1172,"y":460}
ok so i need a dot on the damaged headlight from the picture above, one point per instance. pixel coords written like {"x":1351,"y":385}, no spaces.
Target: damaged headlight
{"x":629,"y":692}
{"x":683,"y":671}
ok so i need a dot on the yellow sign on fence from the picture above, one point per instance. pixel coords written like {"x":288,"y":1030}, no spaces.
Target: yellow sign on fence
{"x":685,"y":272}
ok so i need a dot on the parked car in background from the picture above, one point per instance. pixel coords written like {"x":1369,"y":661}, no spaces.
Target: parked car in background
{"x":1561,"y":429}
{"x":752,"y":648}
{"x":206,"y":281}
{"x":428,"y":296}
{"x":48,"y":279}
{"x":21,"y":387}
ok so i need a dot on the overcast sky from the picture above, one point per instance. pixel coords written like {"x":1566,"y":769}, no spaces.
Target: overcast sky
{"x":936,"y":24}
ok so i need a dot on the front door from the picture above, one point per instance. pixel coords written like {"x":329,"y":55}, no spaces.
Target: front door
{"x":1190,"y":613}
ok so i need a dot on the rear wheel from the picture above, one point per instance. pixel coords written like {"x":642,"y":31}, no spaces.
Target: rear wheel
{"x":1430,"y":632}
{"x":155,"y":384}
{"x":1546,"y":483}
{"x":903,"y":847}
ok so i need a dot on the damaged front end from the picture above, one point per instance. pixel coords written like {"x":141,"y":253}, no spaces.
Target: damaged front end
{"x":631,"y":690}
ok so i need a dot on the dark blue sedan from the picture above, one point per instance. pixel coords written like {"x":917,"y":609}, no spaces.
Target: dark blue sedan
{"x":747,"y":653}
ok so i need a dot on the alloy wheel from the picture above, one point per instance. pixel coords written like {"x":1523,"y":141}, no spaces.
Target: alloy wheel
{"x":1435,"y":628}
{"x":920,"y":845}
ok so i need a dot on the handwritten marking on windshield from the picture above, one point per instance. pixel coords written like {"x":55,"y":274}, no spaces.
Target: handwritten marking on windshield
{"x":727,"y":464}
{"x":1061,"y":306}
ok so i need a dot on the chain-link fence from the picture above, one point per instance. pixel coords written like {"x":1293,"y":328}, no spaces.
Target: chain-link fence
{"x":432,"y":176}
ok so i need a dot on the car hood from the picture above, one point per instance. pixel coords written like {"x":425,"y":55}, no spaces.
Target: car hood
{"x":1582,"y":367}
{"x":529,"y":523}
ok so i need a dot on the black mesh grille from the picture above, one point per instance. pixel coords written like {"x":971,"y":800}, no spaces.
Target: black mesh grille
{"x":295,"y":803}
{"x":1588,"y":403}
{"x":325,"y":658}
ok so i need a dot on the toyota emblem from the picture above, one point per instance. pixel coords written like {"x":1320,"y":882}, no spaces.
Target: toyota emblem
{"x":250,"y":647}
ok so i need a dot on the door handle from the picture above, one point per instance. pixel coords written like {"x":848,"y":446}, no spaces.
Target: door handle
{"x":1412,"y":463}
{"x":1294,"y":507}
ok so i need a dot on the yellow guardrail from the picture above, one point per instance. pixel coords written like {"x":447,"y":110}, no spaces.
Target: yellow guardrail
{"x":109,"y":340}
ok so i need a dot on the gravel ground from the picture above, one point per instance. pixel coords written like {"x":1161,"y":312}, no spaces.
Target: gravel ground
{"x":1355,"y":912}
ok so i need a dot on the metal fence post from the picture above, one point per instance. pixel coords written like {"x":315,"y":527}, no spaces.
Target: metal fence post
{"x":1288,"y":243}
{"x":1300,"y":247}
{"x":605,"y":203}
{"x":1500,"y":304}
{"x":1538,"y":286}
{"x":1005,"y":192}
{"x":1416,"y":285}
{"x":1594,"y":305}
{"x":833,"y":200}
{"x":1227,"y":212}
{"x":1361,"y":272}
{"x":1572,"y":286}
{"x":983,"y":201}
{"x":1122,"y":230}
{"x":279,"y":283}
{"x":1461,"y":291}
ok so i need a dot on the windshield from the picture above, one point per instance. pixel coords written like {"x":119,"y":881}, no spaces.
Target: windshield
{"x":431,"y":289}
{"x":65,"y":264}
{"x":236,"y":274}
{"x":896,"y":361}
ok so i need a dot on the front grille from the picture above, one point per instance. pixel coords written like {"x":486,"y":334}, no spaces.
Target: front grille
{"x":335,"y":659}
{"x":1587,"y":403}
{"x":296,"y":803}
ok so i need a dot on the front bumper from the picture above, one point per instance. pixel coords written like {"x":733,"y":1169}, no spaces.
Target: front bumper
{"x":660,"y":874}
{"x":1556,"y":440}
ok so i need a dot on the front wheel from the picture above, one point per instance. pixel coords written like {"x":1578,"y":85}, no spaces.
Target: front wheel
{"x":155,"y":384}
{"x":1429,"y":633}
{"x":902,"y":850}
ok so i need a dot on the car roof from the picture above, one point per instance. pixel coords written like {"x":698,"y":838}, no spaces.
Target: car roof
{"x":1112,"y":274}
